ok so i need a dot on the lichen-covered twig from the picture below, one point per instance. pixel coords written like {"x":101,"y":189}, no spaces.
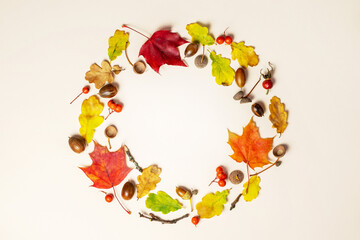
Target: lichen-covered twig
{"x":153,"y":217}
{"x":131,"y":158}
{"x":233,"y":204}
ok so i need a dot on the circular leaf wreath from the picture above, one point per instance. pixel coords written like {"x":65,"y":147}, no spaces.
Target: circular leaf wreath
{"x":109,"y":169}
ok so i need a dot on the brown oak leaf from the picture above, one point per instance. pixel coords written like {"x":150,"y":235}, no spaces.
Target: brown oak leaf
{"x":100,"y":75}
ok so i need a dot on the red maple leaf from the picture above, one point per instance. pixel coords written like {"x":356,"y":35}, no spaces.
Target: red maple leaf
{"x":162,"y":48}
{"x":250,"y":148}
{"x":108,"y":168}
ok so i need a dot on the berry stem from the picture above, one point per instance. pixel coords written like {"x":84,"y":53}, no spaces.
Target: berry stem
{"x":75,"y":98}
{"x":265,"y":168}
{"x":110,"y":112}
{"x":126,"y":26}
{"x":253,"y":88}
{"x":213,"y":181}
{"x":127,"y":57}
{"x":129,"y":212}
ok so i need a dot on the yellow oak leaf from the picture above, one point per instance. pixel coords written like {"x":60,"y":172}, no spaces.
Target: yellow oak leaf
{"x":221,"y":70}
{"x":200,"y":34}
{"x":212,"y":204}
{"x":148,"y":180}
{"x":244,"y":54}
{"x":89,"y":118}
{"x":251,"y":188}
{"x":100,"y":75}
{"x":117,"y":44}
{"x":278,"y":115}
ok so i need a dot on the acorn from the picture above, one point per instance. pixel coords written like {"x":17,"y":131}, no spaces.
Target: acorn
{"x":257,"y":109}
{"x":77,"y":143}
{"x":279,"y":150}
{"x":236,"y":177}
{"x":185,"y":194}
{"x":128,"y":190}
{"x":191,"y":49}
{"x":139,"y":67}
{"x":240,"y":77}
{"x":108,"y":91}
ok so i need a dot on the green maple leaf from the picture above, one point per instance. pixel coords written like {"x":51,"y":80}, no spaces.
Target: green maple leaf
{"x":200,"y":34}
{"x":221,"y":70}
{"x":162,"y":202}
{"x":212,"y":204}
{"x":117,"y":44}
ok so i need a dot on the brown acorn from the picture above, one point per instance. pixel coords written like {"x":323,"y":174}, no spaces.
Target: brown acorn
{"x":108,"y":91}
{"x":77,"y":143}
{"x":191,"y":49}
{"x":128,"y":191}
{"x":240,"y":77}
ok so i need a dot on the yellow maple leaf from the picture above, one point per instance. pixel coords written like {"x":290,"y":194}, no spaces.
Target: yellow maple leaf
{"x":117,"y":44}
{"x":100,"y":75}
{"x":251,"y":188}
{"x":212,"y":204}
{"x":278,"y":115}
{"x":148,"y":180}
{"x":89,"y":118}
{"x":244,"y":54}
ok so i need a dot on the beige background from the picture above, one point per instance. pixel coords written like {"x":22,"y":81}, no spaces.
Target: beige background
{"x":179,"y":120}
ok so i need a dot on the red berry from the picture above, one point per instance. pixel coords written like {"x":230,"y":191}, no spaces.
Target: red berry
{"x":111,"y":104}
{"x":222,"y":183}
{"x":221,"y":175}
{"x":118,"y":108}
{"x":267,"y":84}
{"x":219,"y":169}
{"x":109,"y":197}
{"x":195,"y":220}
{"x":220,"y":40}
{"x":228,"y":40}
{"x":86,"y":89}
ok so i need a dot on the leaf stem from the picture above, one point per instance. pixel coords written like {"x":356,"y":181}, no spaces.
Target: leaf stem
{"x":126,"y":26}
{"x":129,"y":212}
{"x":247,"y":187}
{"x":253,"y":88}
{"x":126,"y":55}
{"x":153,"y":217}
{"x":202,"y":58}
{"x":266,"y":168}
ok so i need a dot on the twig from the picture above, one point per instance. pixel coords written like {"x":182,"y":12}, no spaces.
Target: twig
{"x":265,"y":168}
{"x":153,"y":217}
{"x":247,"y":95}
{"x":233,"y":204}
{"x":131,"y":158}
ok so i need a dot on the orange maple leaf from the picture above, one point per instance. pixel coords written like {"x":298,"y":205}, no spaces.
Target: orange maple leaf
{"x":108,"y":168}
{"x":250,"y":148}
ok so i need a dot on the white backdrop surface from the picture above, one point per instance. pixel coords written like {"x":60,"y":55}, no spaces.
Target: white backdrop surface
{"x":179,"y":119}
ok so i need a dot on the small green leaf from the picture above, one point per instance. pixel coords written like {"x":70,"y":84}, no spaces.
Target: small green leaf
{"x":117,"y":44}
{"x":162,"y":202}
{"x":221,"y":70}
{"x":200,"y":34}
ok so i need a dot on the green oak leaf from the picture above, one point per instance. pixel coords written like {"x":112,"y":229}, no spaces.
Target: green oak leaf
{"x":221,"y":70}
{"x":162,"y":202}
{"x":117,"y":44}
{"x":200,"y":34}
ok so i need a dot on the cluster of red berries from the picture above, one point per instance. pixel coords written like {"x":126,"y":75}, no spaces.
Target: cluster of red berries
{"x":117,"y":107}
{"x":221,"y":175}
{"x":223,"y":38}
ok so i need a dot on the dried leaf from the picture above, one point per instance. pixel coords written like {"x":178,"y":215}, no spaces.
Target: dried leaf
{"x":251,"y":188}
{"x":200,"y":34}
{"x":148,"y":180}
{"x":108,"y":169}
{"x":100,"y":75}
{"x":117,"y":44}
{"x":162,"y":202}
{"x":116,"y":69}
{"x":244,"y":54}
{"x":162,"y":48}
{"x":250,"y":148}
{"x":212,"y":204}
{"x":278,"y":115}
{"x":89,"y":118}
{"x":221,"y":70}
